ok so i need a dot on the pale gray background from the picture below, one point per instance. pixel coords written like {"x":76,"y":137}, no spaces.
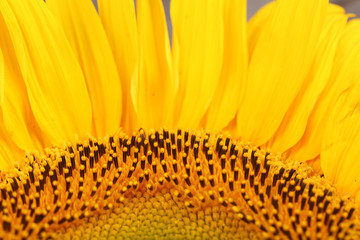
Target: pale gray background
{"x":351,"y":6}
{"x":253,"y":5}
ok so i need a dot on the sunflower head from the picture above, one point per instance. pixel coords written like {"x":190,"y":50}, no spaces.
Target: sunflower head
{"x":266,"y":112}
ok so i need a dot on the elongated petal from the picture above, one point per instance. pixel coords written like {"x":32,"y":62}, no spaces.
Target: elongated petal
{"x":3,"y":147}
{"x":17,"y":117}
{"x":8,"y":149}
{"x":2,"y":77}
{"x":341,"y":140}
{"x":342,"y":77}
{"x":87,"y":37}
{"x":11,"y":154}
{"x":53,"y":79}
{"x":227,"y":97}
{"x":288,"y":40}
{"x":198,"y":56}
{"x":153,"y":92}
{"x":257,"y":24}
{"x":119,"y":21}
{"x":341,"y":144}
{"x":294,"y":123}
{"x":8,"y":152}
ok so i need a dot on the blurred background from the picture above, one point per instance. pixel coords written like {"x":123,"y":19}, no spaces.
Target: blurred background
{"x":351,"y":6}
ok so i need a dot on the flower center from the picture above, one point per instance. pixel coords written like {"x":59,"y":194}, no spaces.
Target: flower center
{"x":166,"y":184}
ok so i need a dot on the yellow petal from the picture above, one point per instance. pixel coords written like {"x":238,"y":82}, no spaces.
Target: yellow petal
{"x":225,"y":102}
{"x":341,"y":145}
{"x":2,"y":77}
{"x":257,"y":24}
{"x":294,"y":123}
{"x":119,"y":21}
{"x":310,"y":144}
{"x":87,"y":37}
{"x":315,"y":165}
{"x":8,"y":150}
{"x":17,"y":116}
{"x":198,"y":53}
{"x":3,"y":147}
{"x":153,"y":92}
{"x":18,"y":119}
{"x":340,"y":148}
{"x":278,"y":68}
{"x":53,"y":79}
{"x":8,"y":153}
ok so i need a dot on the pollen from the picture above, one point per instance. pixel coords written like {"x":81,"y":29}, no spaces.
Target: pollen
{"x":169,"y":185}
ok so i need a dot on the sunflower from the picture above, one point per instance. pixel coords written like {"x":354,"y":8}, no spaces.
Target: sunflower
{"x":235,"y":130}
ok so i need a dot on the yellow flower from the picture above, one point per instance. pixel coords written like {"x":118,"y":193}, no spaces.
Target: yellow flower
{"x":266,"y":116}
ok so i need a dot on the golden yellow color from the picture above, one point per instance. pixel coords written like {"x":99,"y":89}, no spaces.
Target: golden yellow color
{"x":170,"y":185}
{"x":267,"y":112}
